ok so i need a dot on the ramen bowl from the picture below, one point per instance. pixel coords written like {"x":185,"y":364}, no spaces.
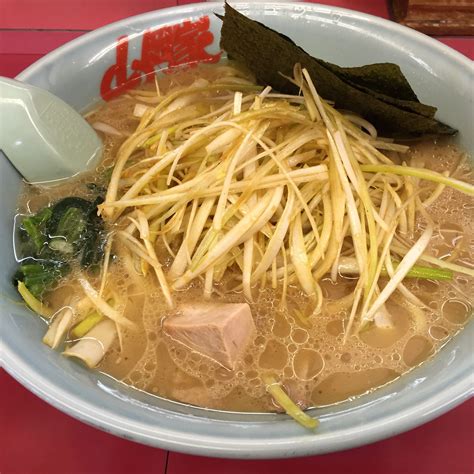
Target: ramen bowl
{"x":108,"y":61}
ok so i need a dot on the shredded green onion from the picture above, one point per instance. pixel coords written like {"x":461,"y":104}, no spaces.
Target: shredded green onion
{"x":421,"y":173}
{"x":290,"y":407}
{"x":82,"y":328}
{"x":33,"y":303}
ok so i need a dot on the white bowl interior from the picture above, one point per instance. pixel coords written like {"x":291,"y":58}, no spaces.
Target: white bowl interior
{"x":439,"y":75}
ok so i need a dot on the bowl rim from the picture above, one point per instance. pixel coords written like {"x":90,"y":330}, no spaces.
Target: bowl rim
{"x":193,"y":7}
{"x":214,"y":446}
{"x":210,"y":445}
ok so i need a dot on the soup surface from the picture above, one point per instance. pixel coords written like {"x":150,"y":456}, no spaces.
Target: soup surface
{"x":310,"y":356}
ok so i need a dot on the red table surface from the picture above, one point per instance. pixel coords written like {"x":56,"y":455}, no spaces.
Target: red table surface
{"x":36,"y":438}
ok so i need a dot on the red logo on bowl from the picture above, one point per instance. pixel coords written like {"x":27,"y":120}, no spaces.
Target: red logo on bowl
{"x":168,"y":47}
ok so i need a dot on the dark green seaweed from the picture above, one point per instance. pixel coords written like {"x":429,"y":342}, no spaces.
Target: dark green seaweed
{"x":378,"y":92}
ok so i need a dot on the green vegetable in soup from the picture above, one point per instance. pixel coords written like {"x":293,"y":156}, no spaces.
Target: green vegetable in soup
{"x":54,"y":239}
{"x":33,"y":303}
{"x":72,"y":226}
{"x":290,"y":407}
{"x":34,"y":229}
{"x":90,"y":321}
{"x":40,"y":276}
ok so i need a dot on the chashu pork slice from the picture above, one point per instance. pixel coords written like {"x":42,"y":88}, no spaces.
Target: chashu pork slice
{"x":220,"y":331}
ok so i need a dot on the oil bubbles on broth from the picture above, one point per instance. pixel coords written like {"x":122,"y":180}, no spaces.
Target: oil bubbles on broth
{"x":316,"y":365}
{"x":317,"y":368}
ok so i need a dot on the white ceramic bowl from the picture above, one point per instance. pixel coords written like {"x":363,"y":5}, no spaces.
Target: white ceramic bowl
{"x":74,"y":72}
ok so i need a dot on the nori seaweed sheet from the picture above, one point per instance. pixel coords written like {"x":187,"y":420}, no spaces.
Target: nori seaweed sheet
{"x":378,"y":92}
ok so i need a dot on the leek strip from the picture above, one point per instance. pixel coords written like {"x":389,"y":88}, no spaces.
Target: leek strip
{"x":95,"y":344}
{"x":331,"y":208}
{"x":221,"y":203}
{"x":247,"y":268}
{"x":213,"y":87}
{"x":226,"y":108}
{"x":425,"y":174}
{"x":59,"y":327}
{"x":357,"y":297}
{"x":220,"y":267}
{"x":436,"y":261}
{"x":348,"y":266}
{"x":359,"y":183}
{"x":408,"y":295}
{"x":105,"y":266}
{"x":274,"y":275}
{"x":123,"y":155}
{"x":360,"y":247}
{"x":83,"y":306}
{"x":436,"y":193}
{"x":371,"y":153}
{"x":33,"y":303}
{"x":411,"y":207}
{"x":385,"y":255}
{"x":277,"y":238}
{"x":407,"y":262}
{"x":337,"y":180}
{"x":209,"y":239}
{"x":161,"y":149}
{"x":373,"y":289}
{"x":277,"y":147}
{"x":262,"y":221}
{"x":283,"y":168}
{"x":222,"y":141}
{"x":187,"y":247}
{"x":182,"y":256}
{"x":335,"y":265}
{"x":403,"y":223}
{"x":371,"y":130}
{"x":160,"y":275}
{"x":316,"y":173}
{"x":168,"y":159}
{"x":247,"y":263}
{"x":164,"y":239}
{"x":383,"y":212}
{"x":102,"y":305}
{"x":335,"y":213}
{"x":175,"y":216}
{"x":290,"y":407}
{"x":80,"y":329}
{"x":300,"y":259}
{"x":148,"y":254}
{"x":208,"y":283}
{"x":285,"y":279}
{"x":458,"y":247}
{"x":250,"y":224}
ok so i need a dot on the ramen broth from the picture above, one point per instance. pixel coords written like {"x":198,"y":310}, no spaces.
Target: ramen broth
{"x":310,"y":357}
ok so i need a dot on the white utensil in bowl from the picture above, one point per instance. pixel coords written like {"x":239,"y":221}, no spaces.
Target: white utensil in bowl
{"x":44,"y":138}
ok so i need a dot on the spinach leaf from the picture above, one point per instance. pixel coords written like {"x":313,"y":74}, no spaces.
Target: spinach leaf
{"x":69,"y":232}
{"x":40,"y":276}
{"x":35,"y":228}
